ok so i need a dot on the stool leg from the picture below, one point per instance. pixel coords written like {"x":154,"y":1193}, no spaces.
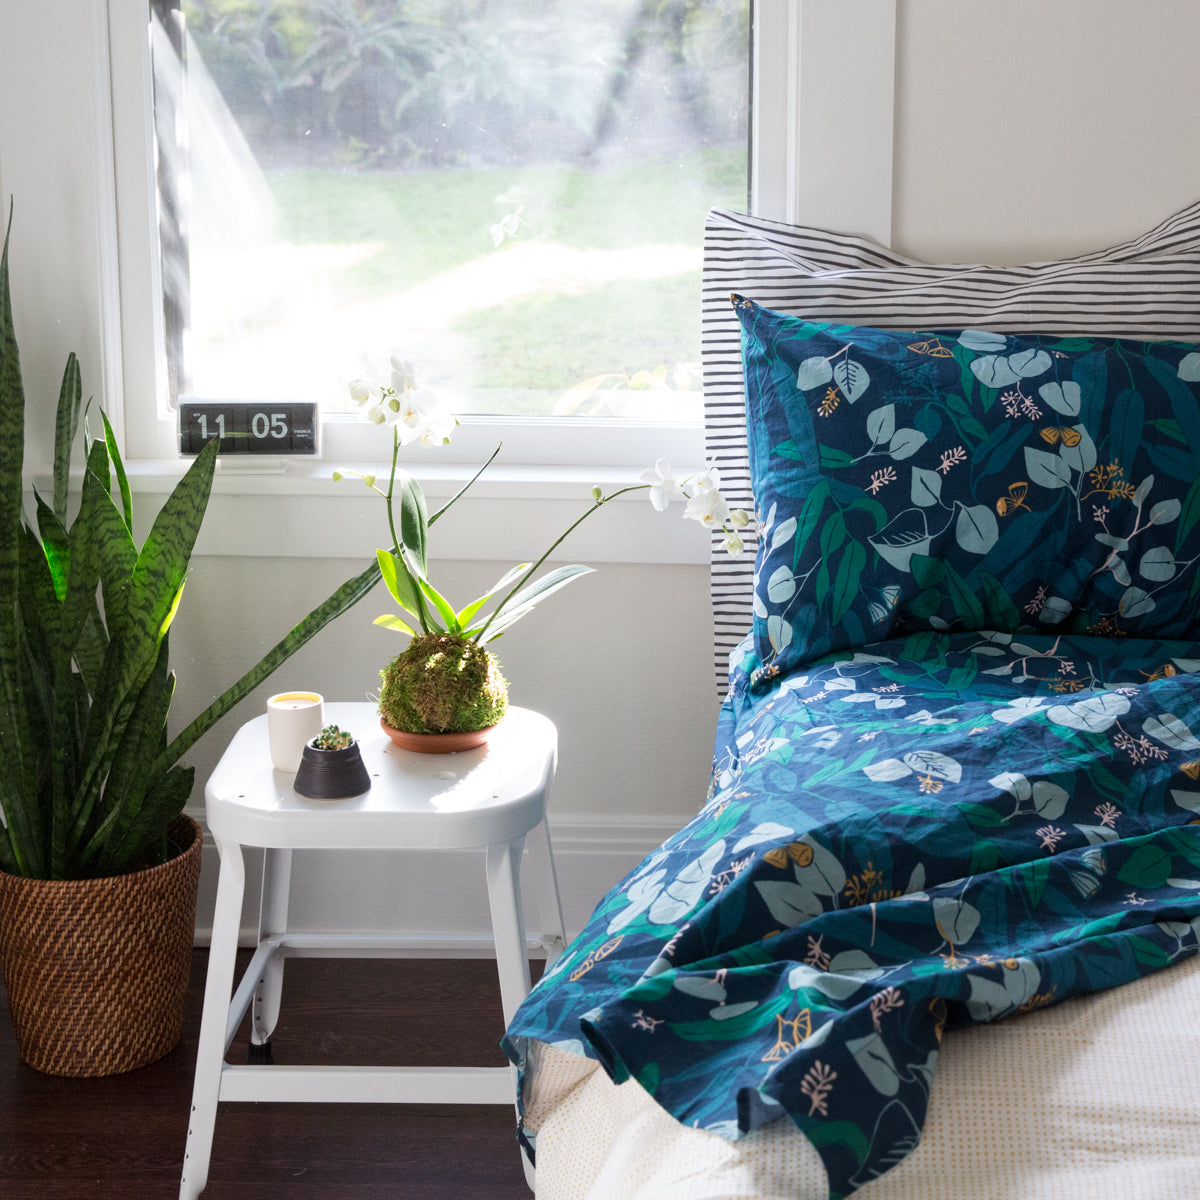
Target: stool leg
{"x":508,"y":923}
{"x":552,"y":926}
{"x":272,"y":919}
{"x":218,"y":988}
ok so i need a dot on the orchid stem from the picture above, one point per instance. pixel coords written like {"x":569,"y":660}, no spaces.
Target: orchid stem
{"x":636,"y":487}
{"x":422,"y":613}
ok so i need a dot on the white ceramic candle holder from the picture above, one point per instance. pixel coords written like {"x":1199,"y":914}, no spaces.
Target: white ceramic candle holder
{"x":293,"y":719}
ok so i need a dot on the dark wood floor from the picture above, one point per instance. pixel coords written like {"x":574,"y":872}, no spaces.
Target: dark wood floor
{"x":108,"y":1139}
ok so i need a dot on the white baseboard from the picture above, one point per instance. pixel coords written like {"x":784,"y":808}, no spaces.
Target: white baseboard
{"x":437,"y":899}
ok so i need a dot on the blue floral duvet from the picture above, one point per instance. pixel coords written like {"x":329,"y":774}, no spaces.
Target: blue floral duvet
{"x":936,"y":831}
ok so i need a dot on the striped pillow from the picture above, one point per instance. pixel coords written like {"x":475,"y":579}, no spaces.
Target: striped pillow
{"x":1147,"y":289}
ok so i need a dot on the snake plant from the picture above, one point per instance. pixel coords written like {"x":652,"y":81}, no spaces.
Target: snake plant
{"x":89,"y":779}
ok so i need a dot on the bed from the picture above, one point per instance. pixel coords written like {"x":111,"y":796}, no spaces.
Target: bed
{"x":934,"y":931}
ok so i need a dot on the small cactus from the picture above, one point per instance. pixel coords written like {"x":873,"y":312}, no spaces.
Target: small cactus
{"x":332,"y":738}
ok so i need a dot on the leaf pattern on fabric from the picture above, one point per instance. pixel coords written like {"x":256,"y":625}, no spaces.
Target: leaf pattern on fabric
{"x":1024,"y":828}
{"x":1005,"y":483}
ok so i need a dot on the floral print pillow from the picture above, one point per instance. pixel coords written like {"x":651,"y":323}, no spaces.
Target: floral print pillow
{"x":967,"y":480}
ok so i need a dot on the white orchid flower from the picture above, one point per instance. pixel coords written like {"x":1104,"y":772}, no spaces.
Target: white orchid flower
{"x":404,"y":373}
{"x":360,"y":391}
{"x":708,"y":480}
{"x":439,"y":425}
{"x":413,"y":411}
{"x":708,"y":507}
{"x":663,"y":486}
{"x":733,"y":542}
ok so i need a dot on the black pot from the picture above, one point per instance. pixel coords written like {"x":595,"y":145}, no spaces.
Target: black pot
{"x":331,"y":774}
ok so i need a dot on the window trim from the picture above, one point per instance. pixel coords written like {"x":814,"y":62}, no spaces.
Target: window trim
{"x":535,"y":443}
{"x":802,"y":102}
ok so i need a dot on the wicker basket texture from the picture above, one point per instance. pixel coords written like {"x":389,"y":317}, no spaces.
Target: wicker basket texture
{"x":96,"y":970}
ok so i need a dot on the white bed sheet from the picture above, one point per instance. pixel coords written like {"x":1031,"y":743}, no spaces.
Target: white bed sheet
{"x":1097,"y":1098}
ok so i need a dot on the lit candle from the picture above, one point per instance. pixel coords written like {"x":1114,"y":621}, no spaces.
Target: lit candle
{"x":293,"y":719}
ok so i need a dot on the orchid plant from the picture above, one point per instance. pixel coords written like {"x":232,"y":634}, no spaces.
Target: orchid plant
{"x":416,"y":414}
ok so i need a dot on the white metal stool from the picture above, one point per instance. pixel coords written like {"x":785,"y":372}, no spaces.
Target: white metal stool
{"x":492,"y":797}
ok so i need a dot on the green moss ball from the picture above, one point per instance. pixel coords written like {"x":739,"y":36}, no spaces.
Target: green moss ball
{"x":442,"y":684}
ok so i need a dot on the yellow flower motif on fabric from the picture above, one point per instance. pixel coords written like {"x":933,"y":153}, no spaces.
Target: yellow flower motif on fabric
{"x":799,"y":1028}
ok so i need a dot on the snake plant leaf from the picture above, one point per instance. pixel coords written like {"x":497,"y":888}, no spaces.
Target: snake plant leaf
{"x":414,"y":520}
{"x":117,"y":555}
{"x":91,"y":638}
{"x":398,"y":581}
{"x":83,"y":576}
{"x":129,"y":781}
{"x":17,"y":795}
{"x":150,"y":602}
{"x":55,"y":545}
{"x":75,"y":786}
{"x":118,"y":466}
{"x":71,"y":706}
{"x":506,"y":580}
{"x":66,"y":423}
{"x":342,"y":600}
{"x":163,"y":802}
{"x":20,"y":795}
{"x":43,"y":582}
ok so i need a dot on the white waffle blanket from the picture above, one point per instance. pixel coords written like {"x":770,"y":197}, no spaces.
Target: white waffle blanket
{"x":1094,"y":1099}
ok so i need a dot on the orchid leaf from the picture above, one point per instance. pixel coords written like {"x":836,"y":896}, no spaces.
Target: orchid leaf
{"x":521,"y":603}
{"x":445,"y":611}
{"x":398,"y":581}
{"x":507,"y":580}
{"x":390,"y":621}
{"x":543,"y":587}
{"x":414,"y":520}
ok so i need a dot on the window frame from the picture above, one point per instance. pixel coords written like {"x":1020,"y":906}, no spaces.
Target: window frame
{"x":532,"y":442}
{"x":802,"y":101}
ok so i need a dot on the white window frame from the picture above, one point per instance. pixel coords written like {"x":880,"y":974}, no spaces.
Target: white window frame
{"x":531,"y":442}
{"x":804,"y":168}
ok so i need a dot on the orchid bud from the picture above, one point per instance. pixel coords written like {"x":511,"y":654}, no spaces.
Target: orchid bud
{"x":338,"y":477}
{"x":597,"y":493}
{"x":739,"y":518}
{"x":369,"y":480}
{"x":360,"y":392}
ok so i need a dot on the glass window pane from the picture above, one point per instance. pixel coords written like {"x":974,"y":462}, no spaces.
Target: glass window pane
{"x":510,"y":191}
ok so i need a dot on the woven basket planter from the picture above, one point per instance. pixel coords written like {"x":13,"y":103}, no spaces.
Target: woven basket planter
{"x":96,"y":970}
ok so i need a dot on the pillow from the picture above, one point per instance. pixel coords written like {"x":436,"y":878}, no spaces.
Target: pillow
{"x":967,"y":480}
{"x":1145,"y":288}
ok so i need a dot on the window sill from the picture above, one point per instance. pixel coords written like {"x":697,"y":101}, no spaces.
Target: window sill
{"x":293,"y":508}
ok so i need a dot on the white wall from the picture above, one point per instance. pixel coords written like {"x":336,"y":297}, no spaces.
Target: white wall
{"x":1022,"y":130}
{"x":1029,"y":130}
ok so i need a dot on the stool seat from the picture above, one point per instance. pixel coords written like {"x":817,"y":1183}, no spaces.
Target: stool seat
{"x":416,"y":801}
{"x":492,"y":796}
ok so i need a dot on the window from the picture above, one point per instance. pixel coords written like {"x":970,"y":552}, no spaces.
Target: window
{"x":512,"y":192}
